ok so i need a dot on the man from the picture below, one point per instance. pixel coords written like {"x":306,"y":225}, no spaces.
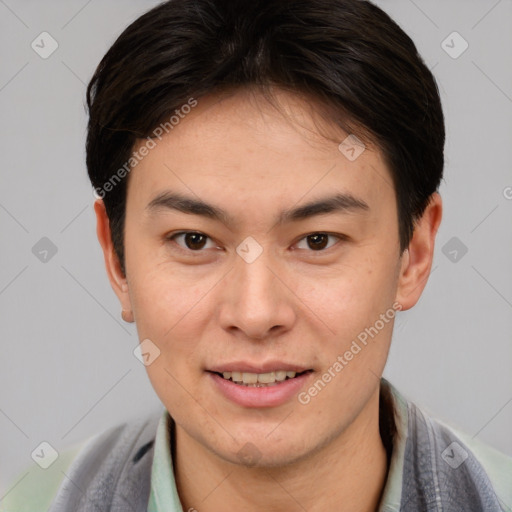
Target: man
{"x":267,"y":177}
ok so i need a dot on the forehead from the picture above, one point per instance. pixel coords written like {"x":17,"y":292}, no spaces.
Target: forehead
{"x":236,"y":147}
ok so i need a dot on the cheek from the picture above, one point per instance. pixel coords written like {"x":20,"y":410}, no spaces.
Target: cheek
{"x":351,"y":297}
{"x":160,"y":318}
{"x":163,"y":300}
{"x":347,"y":306}
{"x":172,"y":315}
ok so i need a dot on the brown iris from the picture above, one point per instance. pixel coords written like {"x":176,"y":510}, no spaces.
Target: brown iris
{"x":195,"y":240}
{"x":318,"y":240}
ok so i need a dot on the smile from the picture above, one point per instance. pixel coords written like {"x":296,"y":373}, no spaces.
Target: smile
{"x":269,"y":389}
{"x":259,"y":379}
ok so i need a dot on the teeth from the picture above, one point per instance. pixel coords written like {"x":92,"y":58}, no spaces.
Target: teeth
{"x":281,"y":375}
{"x":266,"y":378}
{"x":252,"y":379}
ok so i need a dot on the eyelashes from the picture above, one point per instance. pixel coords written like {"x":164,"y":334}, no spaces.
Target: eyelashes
{"x":318,"y":239}
{"x":194,"y":237}
{"x":197,"y":242}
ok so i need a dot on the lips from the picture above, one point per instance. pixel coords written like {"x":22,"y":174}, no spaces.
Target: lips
{"x":260,"y":395}
{"x":266,"y":384}
{"x":246,"y":367}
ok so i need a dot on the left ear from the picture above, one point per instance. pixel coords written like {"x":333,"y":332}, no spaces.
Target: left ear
{"x":417,"y":258}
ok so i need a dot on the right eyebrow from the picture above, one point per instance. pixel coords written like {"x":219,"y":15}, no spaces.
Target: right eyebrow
{"x":173,"y":201}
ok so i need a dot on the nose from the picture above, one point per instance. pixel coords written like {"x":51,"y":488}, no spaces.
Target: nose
{"x":256,"y":303}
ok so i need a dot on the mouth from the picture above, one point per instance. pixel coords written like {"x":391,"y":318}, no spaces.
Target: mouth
{"x":261,"y":387}
{"x":253,"y":384}
{"x":260,"y":380}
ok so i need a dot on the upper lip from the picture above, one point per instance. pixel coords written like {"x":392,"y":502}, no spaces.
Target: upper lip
{"x":246,"y":367}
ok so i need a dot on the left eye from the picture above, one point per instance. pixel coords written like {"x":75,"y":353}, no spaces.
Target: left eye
{"x":318,"y":241}
{"x":192,"y":240}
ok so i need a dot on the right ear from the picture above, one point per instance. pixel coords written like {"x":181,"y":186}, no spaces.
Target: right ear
{"x":115,"y":274}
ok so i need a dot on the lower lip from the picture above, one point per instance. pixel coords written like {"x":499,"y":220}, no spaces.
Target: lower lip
{"x":267,"y":396}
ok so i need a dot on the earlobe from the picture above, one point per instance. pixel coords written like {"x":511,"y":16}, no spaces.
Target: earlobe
{"x":127,"y":316}
{"x":115,"y":274}
{"x":417,"y":259}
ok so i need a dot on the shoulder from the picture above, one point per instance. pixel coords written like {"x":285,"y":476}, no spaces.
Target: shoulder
{"x":495,"y":464}
{"x":454,"y":469}
{"x":81,"y":466}
{"x":436,"y":466}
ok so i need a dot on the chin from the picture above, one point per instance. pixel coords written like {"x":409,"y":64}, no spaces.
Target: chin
{"x":264,"y":451}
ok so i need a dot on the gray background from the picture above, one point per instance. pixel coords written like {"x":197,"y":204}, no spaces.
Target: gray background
{"x":67,"y":369}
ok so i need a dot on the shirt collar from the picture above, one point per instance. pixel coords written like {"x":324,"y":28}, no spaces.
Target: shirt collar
{"x":391,"y":495}
{"x":163,"y":494}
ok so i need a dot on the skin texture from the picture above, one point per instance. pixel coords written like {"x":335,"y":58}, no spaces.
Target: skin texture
{"x":294,"y":303}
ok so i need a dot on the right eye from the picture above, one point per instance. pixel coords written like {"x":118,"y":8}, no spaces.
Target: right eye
{"x":191,"y":241}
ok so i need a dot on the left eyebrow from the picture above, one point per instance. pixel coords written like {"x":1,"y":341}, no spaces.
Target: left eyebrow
{"x":342,"y":203}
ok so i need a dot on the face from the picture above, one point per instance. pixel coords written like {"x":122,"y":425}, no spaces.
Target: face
{"x":254,"y":247}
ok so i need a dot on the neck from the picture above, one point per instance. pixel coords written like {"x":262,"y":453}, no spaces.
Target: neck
{"x":347,"y":474}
